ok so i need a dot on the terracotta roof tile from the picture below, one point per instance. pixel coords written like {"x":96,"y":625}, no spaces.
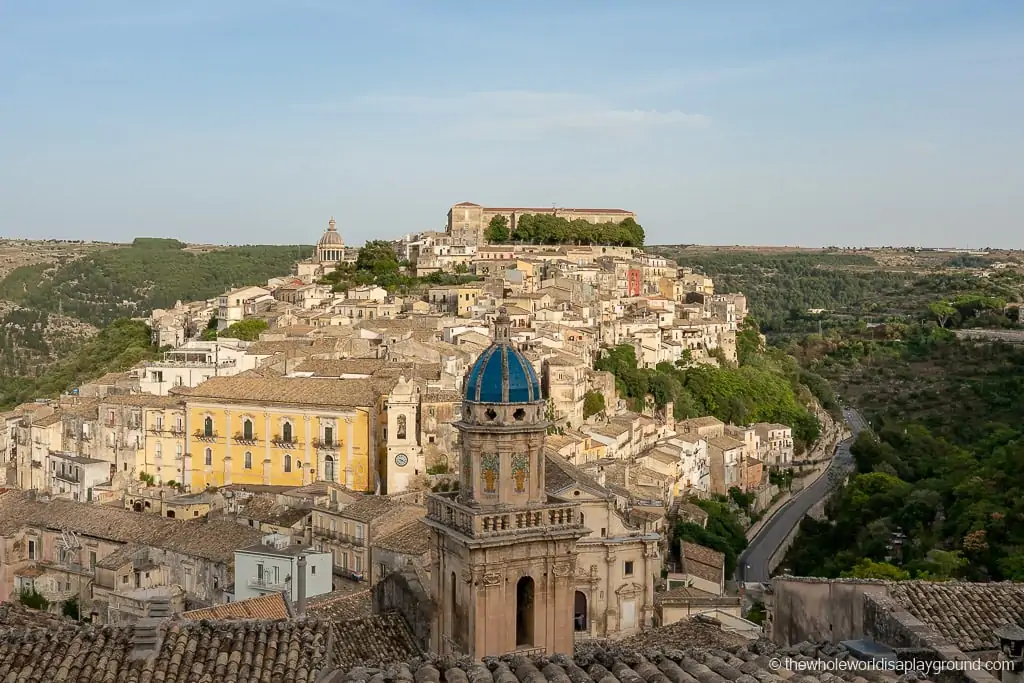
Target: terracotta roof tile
{"x":214,"y":540}
{"x":410,"y":539}
{"x":342,"y":605}
{"x":273,"y":606}
{"x":702,"y":562}
{"x":966,"y":614}
{"x":350,"y":393}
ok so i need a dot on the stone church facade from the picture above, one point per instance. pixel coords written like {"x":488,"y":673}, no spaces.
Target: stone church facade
{"x":504,"y":554}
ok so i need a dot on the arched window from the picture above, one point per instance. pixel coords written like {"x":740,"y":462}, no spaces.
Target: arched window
{"x":401,"y":427}
{"x":247,"y":429}
{"x":248,"y":460}
{"x":209,"y":456}
{"x":287,"y":462}
{"x":286,"y":432}
{"x":580,"y":612}
{"x":208,"y":426}
{"x":524,"y":611}
{"x":329,"y":468}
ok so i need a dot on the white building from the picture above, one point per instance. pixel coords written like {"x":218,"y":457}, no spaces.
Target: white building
{"x":75,"y":477}
{"x":695,"y":466}
{"x":231,"y":305}
{"x":193,"y":363}
{"x":776,"y":443}
{"x":273,"y":566}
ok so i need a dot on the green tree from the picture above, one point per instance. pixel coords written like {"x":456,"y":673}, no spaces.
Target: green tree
{"x":943,"y":312}
{"x":497,"y":230}
{"x":32,"y":598}
{"x":593,"y":403}
{"x":245,"y":330}
{"x":378,"y":257}
{"x":867,"y":569}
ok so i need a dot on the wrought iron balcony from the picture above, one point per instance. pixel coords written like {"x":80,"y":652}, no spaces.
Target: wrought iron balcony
{"x":324,"y":532}
{"x":250,"y":440}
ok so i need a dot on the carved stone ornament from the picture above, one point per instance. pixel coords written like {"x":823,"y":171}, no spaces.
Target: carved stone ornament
{"x":491,"y":579}
{"x":467,"y":577}
{"x":562,"y":569}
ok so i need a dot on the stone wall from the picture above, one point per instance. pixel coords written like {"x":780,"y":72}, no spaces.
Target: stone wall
{"x":403,"y":592}
{"x":816,"y":610}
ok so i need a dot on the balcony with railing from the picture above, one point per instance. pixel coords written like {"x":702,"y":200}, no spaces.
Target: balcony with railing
{"x":325,"y":444}
{"x":443,"y":508}
{"x":280,"y":442}
{"x":251,"y":439}
{"x":341,"y":537}
{"x":68,"y":477}
{"x":202,"y":435}
{"x":266,"y":583}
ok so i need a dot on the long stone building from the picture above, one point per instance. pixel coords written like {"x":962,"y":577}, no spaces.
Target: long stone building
{"x":467,"y":222}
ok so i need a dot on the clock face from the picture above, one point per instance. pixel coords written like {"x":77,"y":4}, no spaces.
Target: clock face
{"x":401,"y":459}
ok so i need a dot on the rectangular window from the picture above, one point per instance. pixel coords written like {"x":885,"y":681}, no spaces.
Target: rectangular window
{"x":312,"y":569}
{"x":359,"y":563}
{"x":627,"y":568}
{"x":31,"y":550}
{"x":92,"y":559}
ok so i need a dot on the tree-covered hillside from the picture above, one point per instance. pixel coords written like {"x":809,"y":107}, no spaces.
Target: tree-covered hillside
{"x":784,"y":287}
{"x":49,"y":310}
{"x":117,"y":347}
{"x":944,"y":470}
{"x":151,"y":273}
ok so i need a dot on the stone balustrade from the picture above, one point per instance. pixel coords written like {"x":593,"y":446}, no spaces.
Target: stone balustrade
{"x":484,"y":522}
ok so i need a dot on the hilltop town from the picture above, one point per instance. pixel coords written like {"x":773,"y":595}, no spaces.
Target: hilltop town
{"x":325,"y":478}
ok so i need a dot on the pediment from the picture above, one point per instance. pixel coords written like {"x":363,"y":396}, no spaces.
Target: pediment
{"x":629,"y":589}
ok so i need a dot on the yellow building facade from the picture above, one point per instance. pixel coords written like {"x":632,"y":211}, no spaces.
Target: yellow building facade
{"x":282,"y":431}
{"x":164,"y":455}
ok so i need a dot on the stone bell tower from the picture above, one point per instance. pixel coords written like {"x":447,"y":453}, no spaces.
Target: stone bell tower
{"x":504,"y":557}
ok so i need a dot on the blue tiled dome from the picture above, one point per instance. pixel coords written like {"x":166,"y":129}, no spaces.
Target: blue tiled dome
{"x":486,"y":383}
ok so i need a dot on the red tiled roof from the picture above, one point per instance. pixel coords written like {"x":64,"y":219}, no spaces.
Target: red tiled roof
{"x":271,"y":606}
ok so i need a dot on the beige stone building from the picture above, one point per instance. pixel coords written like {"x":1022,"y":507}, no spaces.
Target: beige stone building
{"x":467,"y":222}
{"x":618,"y":561}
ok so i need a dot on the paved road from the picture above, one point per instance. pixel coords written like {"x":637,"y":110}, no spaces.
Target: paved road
{"x":753,"y":563}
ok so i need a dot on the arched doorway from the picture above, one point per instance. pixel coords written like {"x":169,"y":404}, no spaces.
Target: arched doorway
{"x":329,"y":468}
{"x":524,"y":612}
{"x":579,"y":611}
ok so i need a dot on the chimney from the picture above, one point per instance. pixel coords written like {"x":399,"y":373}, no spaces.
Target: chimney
{"x":300,"y":601}
{"x":1011,"y":647}
{"x":145,"y":638}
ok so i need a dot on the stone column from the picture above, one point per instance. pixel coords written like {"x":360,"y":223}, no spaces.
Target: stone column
{"x":308,"y":459}
{"x":349,"y":475}
{"x":227,"y":448}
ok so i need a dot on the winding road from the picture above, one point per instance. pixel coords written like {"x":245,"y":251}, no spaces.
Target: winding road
{"x":753,"y":563}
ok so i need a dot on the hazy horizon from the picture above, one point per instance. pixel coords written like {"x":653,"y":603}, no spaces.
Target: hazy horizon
{"x":794,"y":123}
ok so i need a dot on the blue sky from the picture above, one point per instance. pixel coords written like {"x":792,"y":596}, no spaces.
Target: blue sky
{"x":818,"y":122}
